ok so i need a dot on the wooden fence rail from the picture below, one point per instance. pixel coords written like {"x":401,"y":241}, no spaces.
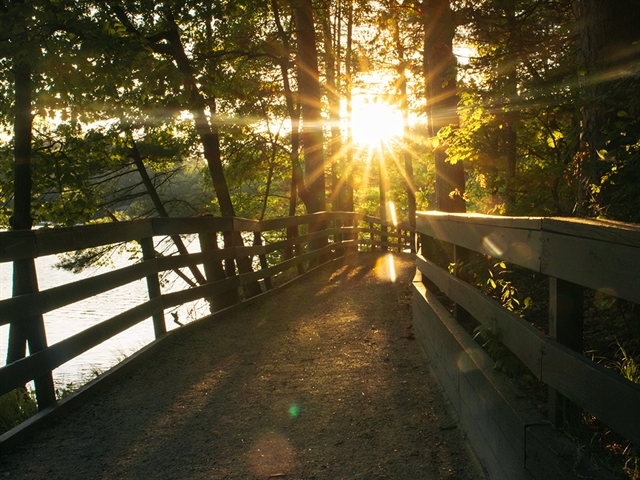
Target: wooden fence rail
{"x":298,"y":243}
{"x":574,"y":254}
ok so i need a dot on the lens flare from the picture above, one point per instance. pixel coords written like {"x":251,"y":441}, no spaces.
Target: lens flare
{"x":294,"y":410}
{"x":492,"y":246}
{"x":386,"y":268}
{"x":391,"y":207}
{"x":392,"y":268}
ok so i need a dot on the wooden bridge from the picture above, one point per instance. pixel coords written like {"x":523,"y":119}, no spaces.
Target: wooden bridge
{"x":354,"y":340}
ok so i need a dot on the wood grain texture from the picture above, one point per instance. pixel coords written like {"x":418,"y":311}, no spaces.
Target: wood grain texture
{"x":596,"y":264}
{"x":602,"y":392}
{"x":517,"y":245}
{"x":17,"y":308}
{"x":493,"y":412}
{"x":522,"y":338}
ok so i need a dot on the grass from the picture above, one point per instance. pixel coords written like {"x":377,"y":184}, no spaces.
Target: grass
{"x":16,"y":406}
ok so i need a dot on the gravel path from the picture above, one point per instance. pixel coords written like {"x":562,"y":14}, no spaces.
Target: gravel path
{"x":321,"y":380}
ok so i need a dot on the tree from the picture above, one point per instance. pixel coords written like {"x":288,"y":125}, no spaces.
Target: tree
{"x":608,"y":36}
{"x":309,"y":95}
{"x":440,"y":71}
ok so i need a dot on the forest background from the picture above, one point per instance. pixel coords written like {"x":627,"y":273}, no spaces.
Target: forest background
{"x":119,"y":109}
{"x":114,"y":110}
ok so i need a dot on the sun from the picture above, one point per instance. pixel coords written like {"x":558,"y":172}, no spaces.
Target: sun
{"x":374,"y":121}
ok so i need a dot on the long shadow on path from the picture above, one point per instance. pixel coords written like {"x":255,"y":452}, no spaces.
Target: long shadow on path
{"x":321,"y":380}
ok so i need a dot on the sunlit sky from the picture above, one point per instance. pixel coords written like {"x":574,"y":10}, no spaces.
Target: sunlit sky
{"x":374,"y":118}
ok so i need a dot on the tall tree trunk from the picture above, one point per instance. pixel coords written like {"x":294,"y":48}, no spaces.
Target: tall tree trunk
{"x":309,"y":93}
{"x":347,"y":168}
{"x":383,"y":188}
{"x":29,"y":330}
{"x":210,"y":139}
{"x":335,"y":144}
{"x":24,"y":274}
{"x":404,"y":108}
{"x":440,"y":68}
{"x":510,"y":109}
{"x":298,"y":187}
{"x":606,"y":34}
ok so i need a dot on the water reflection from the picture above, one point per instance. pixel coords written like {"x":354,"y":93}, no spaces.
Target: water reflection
{"x":71,"y":319}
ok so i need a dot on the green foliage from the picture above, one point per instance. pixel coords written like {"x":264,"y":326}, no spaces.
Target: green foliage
{"x":16,"y":406}
{"x":627,"y":365}
{"x":505,"y":360}
{"x":616,"y":176}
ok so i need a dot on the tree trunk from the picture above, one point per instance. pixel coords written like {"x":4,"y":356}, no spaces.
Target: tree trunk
{"x":507,"y":70}
{"x":606,"y":34}
{"x":25,"y":280}
{"x":159,"y":206}
{"x":209,"y":136}
{"x":309,"y":92}
{"x":440,"y":68}
{"x":348,"y":164}
{"x":406,"y":133}
{"x":335,"y":143}
{"x":298,"y":187}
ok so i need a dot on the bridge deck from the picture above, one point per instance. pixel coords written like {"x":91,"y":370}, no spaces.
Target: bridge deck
{"x":320,"y":380}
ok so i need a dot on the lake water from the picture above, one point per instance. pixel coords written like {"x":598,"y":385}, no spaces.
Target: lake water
{"x":74,"y":318}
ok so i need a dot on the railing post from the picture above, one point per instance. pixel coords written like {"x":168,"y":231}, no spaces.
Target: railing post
{"x":461,"y":260}
{"x":372,"y":237}
{"x":30,"y":330}
{"x":153,"y":286}
{"x":257,"y":242}
{"x":214,"y":273}
{"x":566,"y":326}
{"x":384,"y":238}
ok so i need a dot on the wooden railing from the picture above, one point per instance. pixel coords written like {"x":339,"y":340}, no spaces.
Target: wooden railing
{"x":574,"y":254}
{"x":302,"y":242}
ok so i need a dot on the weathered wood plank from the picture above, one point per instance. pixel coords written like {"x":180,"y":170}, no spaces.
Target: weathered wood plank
{"x":251,"y":251}
{"x":285,"y":222}
{"x":245,"y":225}
{"x":153,"y":284}
{"x":17,"y":244}
{"x":301,"y":239}
{"x":51,"y":241}
{"x":491,"y":410}
{"x":191,"y":225}
{"x":22,"y":371}
{"x":16,"y":308}
{"x":593,"y":264}
{"x":292,"y":262}
{"x":203,"y":291}
{"x":517,"y":245}
{"x":610,"y":231}
{"x":434,"y":217}
{"x":611,"y":398}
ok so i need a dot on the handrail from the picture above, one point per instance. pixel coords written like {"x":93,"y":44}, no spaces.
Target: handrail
{"x":573,"y":253}
{"x":340,"y":232}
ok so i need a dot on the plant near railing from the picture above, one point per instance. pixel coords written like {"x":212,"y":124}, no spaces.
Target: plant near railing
{"x":16,"y":406}
{"x":627,"y":365}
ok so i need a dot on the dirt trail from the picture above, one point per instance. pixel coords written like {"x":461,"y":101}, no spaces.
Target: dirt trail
{"x":322,"y":380}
